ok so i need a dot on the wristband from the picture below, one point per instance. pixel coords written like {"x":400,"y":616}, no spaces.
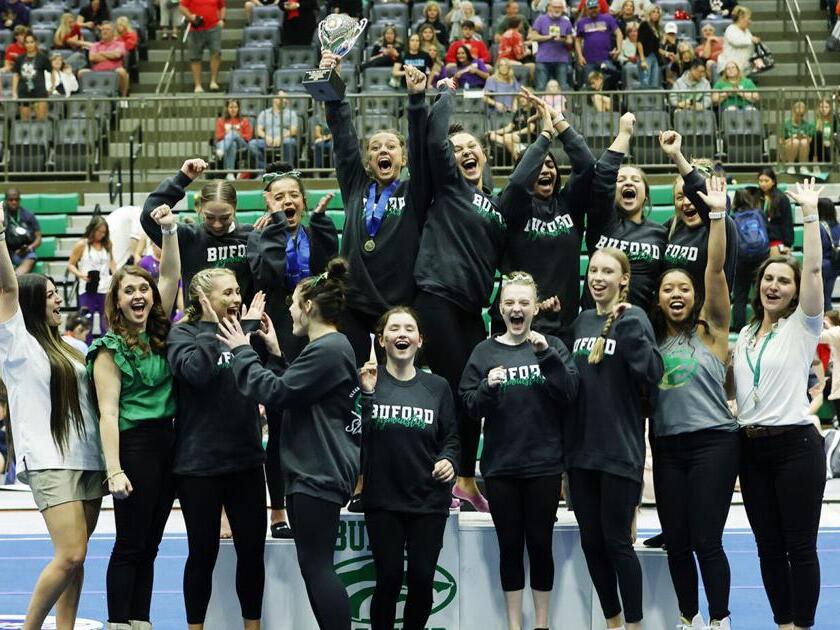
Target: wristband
{"x":547,"y":134}
{"x":810,"y":218}
{"x":112,"y":475}
{"x":717,"y":215}
{"x":558,"y":119}
{"x":169,"y":230}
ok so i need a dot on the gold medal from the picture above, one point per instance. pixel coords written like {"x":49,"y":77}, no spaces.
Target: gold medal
{"x":370,"y":245}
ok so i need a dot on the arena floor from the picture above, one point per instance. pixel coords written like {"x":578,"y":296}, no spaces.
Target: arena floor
{"x":25,"y":548}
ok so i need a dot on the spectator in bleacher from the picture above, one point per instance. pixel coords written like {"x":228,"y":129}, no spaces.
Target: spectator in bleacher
{"x":515,"y":136}
{"x":108,"y":55}
{"x":626,"y":15}
{"x":581,"y":9}
{"x":277,"y":126}
{"x":512,"y":45}
{"x":830,"y":235}
{"x":413,"y":56}
{"x":669,"y":52}
{"x":23,"y":233}
{"x":594,"y":41}
{"x":233,"y":131}
{"x":468,"y":72}
{"x":553,"y":33}
{"x":76,"y":330}
{"x":299,"y":22}
{"x":477,"y":48}
{"x":386,"y":51}
{"x":798,"y":134}
{"x":779,"y":213}
{"x":709,"y":48}
{"x":429,"y":42}
{"x":823,"y":134}
{"x":463,"y":11}
{"x":92,"y":15}
{"x":59,"y":78}
{"x":552,"y":96}
{"x":722,"y":8}
{"x":169,"y":18}
{"x":504,"y":22}
{"x":13,"y":13}
{"x":650,"y":36}
{"x":503,"y":80}
{"x":684,"y":61}
{"x":68,"y":36}
{"x":126,"y":34}
{"x":320,"y":138}
{"x":732,"y":90}
{"x":640,"y":8}
{"x":206,"y":20}
{"x":28,"y":83}
{"x":431,"y":15}
{"x":600,"y":102}
{"x":92,"y":262}
{"x":738,"y":41}
{"x":15,"y":48}
{"x":631,"y":49}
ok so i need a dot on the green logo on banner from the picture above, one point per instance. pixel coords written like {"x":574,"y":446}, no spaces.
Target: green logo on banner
{"x":359,"y":578}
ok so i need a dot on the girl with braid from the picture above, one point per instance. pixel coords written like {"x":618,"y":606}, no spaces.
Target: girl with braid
{"x":618,"y":360}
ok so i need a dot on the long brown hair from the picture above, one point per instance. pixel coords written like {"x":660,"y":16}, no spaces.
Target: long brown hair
{"x":96,"y":223}
{"x":158,"y":324}
{"x":65,"y":407}
{"x":597,"y":353}
{"x":758,"y":308}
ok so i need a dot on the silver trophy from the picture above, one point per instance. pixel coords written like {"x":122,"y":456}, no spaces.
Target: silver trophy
{"x":338,"y":34}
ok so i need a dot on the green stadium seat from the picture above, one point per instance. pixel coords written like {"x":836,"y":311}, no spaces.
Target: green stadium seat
{"x":53,"y":224}
{"x":39,"y":268}
{"x":660,"y":214}
{"x":248,"y":217}
{"x":662,"y":194}
{"x":47,"y":247}
{"x":798,"y":236}
{"x":314,"y":196}
{"x":67,"y":203}
{"x":584,"y":263}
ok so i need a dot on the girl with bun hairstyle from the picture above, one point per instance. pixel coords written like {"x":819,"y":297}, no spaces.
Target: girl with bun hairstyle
{"x":319,"y":439}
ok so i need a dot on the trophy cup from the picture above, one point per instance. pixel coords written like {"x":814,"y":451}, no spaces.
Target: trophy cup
{"x":338,"y":33}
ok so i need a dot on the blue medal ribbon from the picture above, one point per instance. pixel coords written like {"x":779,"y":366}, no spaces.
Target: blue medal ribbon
{"x":374,"y":213}
{"x":297,"y":258}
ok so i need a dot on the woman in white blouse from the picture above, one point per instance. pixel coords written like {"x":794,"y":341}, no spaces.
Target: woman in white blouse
{"x":782,"y":467}
{"x":738,"y":41}
{"x":60,"y":79}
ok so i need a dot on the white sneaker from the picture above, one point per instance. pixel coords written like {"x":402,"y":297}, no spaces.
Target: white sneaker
{"x":220,"y":153}
{"x":791,"y":170}
{"x":816,"y":170}
{"x":230,"y":177}
{"x":803,"y":170}
{"x":198,"y":89}
{"x":698,"y":623}
{"x":723,"y":624}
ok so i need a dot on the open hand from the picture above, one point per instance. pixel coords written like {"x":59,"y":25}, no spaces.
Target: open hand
{"x":806,"y":195}
{"x":207,"y":312}
{"x":257,"y":308}
{"x":231,"y":333}
{"x":269,"y":336}
{"x":324,"y":201}
{"x":448,"y":83}
{"x":715,"y":195}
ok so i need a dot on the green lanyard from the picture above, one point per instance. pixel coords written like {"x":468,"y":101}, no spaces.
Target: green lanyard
{"x":756,"y":369}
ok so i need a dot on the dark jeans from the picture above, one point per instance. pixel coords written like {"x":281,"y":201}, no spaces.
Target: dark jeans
{"x":315,"y":527}
{"x":273,"y":469}
{"x":782,"y":482}
{"x":242,"y":494}
{"x":451,"y":335}
{"x":604,"y":507}
{"x":744,"y":280}
{"x":523,"y":511}
{"x":146,"y":454}
{"x":396,"y":537}
{"x":694,"y":477}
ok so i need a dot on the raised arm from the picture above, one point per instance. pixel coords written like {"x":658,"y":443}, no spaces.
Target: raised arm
{"x":716,"y":308}
{"x":324,"y":237}
{"x":811,"y":287}
{"x":170,"y":256}
{"x":694,"y":183}
{"x":169,"y":193}
{"x":442,"y":165}
{"x":8,"y":278}
{"x":420,"y":187}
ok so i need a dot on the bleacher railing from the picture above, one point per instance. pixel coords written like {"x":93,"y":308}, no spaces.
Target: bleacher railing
{"x":85,"y":137}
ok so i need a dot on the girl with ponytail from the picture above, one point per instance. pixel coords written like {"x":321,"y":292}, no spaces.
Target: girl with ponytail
{"x":319,"y":438}
{"x":54,"y":427}
{"x":616,"y":355}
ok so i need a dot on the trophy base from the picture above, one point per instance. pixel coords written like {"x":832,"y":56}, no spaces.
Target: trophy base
{"x":324,"y":84}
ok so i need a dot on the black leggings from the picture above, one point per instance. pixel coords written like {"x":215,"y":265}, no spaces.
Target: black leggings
{"x":451,"y":335}
{"x":782,"y":482}
{"x":146,"y":454}
{"x":395,"y":536}
{"x":242,"y":494}
{"x":358,"y":327}
{"x":694,"y":477}
{"x":273,"y":469}
{"x":314,"y":524}
{"x":523,"y":512}
{"x":604,"y":509}
{"x":744,"y":280}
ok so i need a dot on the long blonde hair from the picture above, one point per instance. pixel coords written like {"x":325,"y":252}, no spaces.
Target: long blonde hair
{"x":65,"y":27}
{"x":597,"y":353}
{"x":202,"y":281}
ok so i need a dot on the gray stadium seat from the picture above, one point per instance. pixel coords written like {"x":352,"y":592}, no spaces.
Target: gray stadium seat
{"x":645,"y":148}
{"x":376,"y":80}
{"x":296,"y":57}
{"x":393,"y":13}
{"x":599,"y":129}
{"x":417,"y":11}
{"x":271,"y":15}
{"x":720,"y":24}
{"x":699,"y":133}
{"x":261,"y":36}
{"x":686,"y":29}
{"x":248,"y":81}
{"x":251,"y":107}
{"x":45,"y":18}
{"x":375,"y":31}
{"x":743,"y":134}
{"x":498,"y":9}
{"x":639,"y":102}
{"x":670,"y":6}
{"x":75,"y":140}
{"x":99,"y":83}
{"x":289,"y":80}
{"x":368,"y":125}
{"x":44,"y":37}
{"x":255,"y":57}
{"x":28,"y":146}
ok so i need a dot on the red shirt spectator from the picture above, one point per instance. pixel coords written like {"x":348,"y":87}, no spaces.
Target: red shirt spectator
{"x":511,"y":42}
{"x":14,"y":49}
{"x":111,"y":45}
{"x":126,"y":34}
{"x":603,"y":7}
{"x":242,"y":125}
{"x":207,"y":9}
{"x":478,"y":49}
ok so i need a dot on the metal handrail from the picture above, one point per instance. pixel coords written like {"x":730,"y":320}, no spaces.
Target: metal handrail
{"x":132,"y":157}
{"x":813,"y":54}
{"x":115,"y":183}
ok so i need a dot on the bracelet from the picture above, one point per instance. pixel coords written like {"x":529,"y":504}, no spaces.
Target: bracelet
{"x":558,"y":119}
{"x":112,"y":475}
{"x":717,"y":215}
{"x":170,"y":230}
{"x":810,"y":218}
{"x":547,"y":134}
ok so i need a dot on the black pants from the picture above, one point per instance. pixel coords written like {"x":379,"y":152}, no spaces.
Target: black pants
{"x":242,"y":494}
{"x":744,"y":280}
{"x":694,"y":477}
{"x":358,"y":327}
{"x":146,"y":454}
{"x":782,"y":481}
{"x":604,"y":509}
{"x":315,"y":527}
{"x":273,"y":469}
{"x":395,"y":536}
{"x":523,"y":511}
{"x":451,"y":335}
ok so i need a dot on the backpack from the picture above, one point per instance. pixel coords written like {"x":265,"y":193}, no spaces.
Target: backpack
{"x":753,"y":240}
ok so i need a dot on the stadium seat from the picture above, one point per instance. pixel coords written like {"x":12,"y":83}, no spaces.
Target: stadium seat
{"x":289,"y":80}
{"x":630,"y":77}
{"x":74,"y":145}
{"x":296,"y":57}
{"x":376,"y":80}
{"x":93,"y":110}
{"x":45,"y":17}
{"x":645,"y":102}
{"x":522,"y":74}
{"x":251,"y":107}
{"x":261,"y":36}
{"x":54,"y":224}
{"x":476,"y":124}
{"x":98,"y":83}
{"x":393,"y":13}
{"x":743,"y":135}
{"x":248,"y":81}
{"x":662,"y":195}
{"x":368,"y":125}
{"x":135,"y":14}
{"x":255,"y":58}
{"x":28,"y":146}
{"x":482,"y":10}
{"x":45,"y":38}
{"x":699,"y":133}
{"x":270,"y":15}
{"x":645,"y":148}
{"x":671,"y":6}
{"x":47,"y":247}
{"x":499,"y":7}
{"x":5,"y":38}
{"x":62,"y":203}
{"x":599,"y":129}
{"x":686,"y":29}
{"x":380,"y":104}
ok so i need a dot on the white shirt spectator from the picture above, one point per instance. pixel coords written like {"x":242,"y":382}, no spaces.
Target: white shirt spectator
{"x":640,"y":7}
{"x":123,"y":226}
{"x":65,"y":83}
{"x":737,"y":47}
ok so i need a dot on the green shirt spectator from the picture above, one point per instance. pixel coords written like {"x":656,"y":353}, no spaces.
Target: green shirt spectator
{"x":801,"y":128}
{"x":737,"y":93}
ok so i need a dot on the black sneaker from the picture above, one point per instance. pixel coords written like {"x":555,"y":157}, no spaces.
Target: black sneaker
{"x":356,"y":506}
{"x":281,"y":530}
{"x":655,"y":542}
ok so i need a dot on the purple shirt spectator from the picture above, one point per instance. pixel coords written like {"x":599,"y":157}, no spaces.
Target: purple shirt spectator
{"x":596,"y":35}
{"x":468,"y":79}
{"x":553,"y":51}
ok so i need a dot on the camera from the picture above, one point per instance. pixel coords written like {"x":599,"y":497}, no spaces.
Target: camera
{"x":198,"y":22}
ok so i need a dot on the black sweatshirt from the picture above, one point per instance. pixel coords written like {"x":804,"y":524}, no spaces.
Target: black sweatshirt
{"x":549,"y":246}
{"x":318,"y":393}
{"x":780,"y":228}
{"x":199,"y":248}
{"x":464,"y":235}
{"x":523,"y":417}
{"x":217,"y":425}
{"x":644,"y":243}
{"x":608,"y":432}
{"x":408,"y":426}
{"x":382,"y":278}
